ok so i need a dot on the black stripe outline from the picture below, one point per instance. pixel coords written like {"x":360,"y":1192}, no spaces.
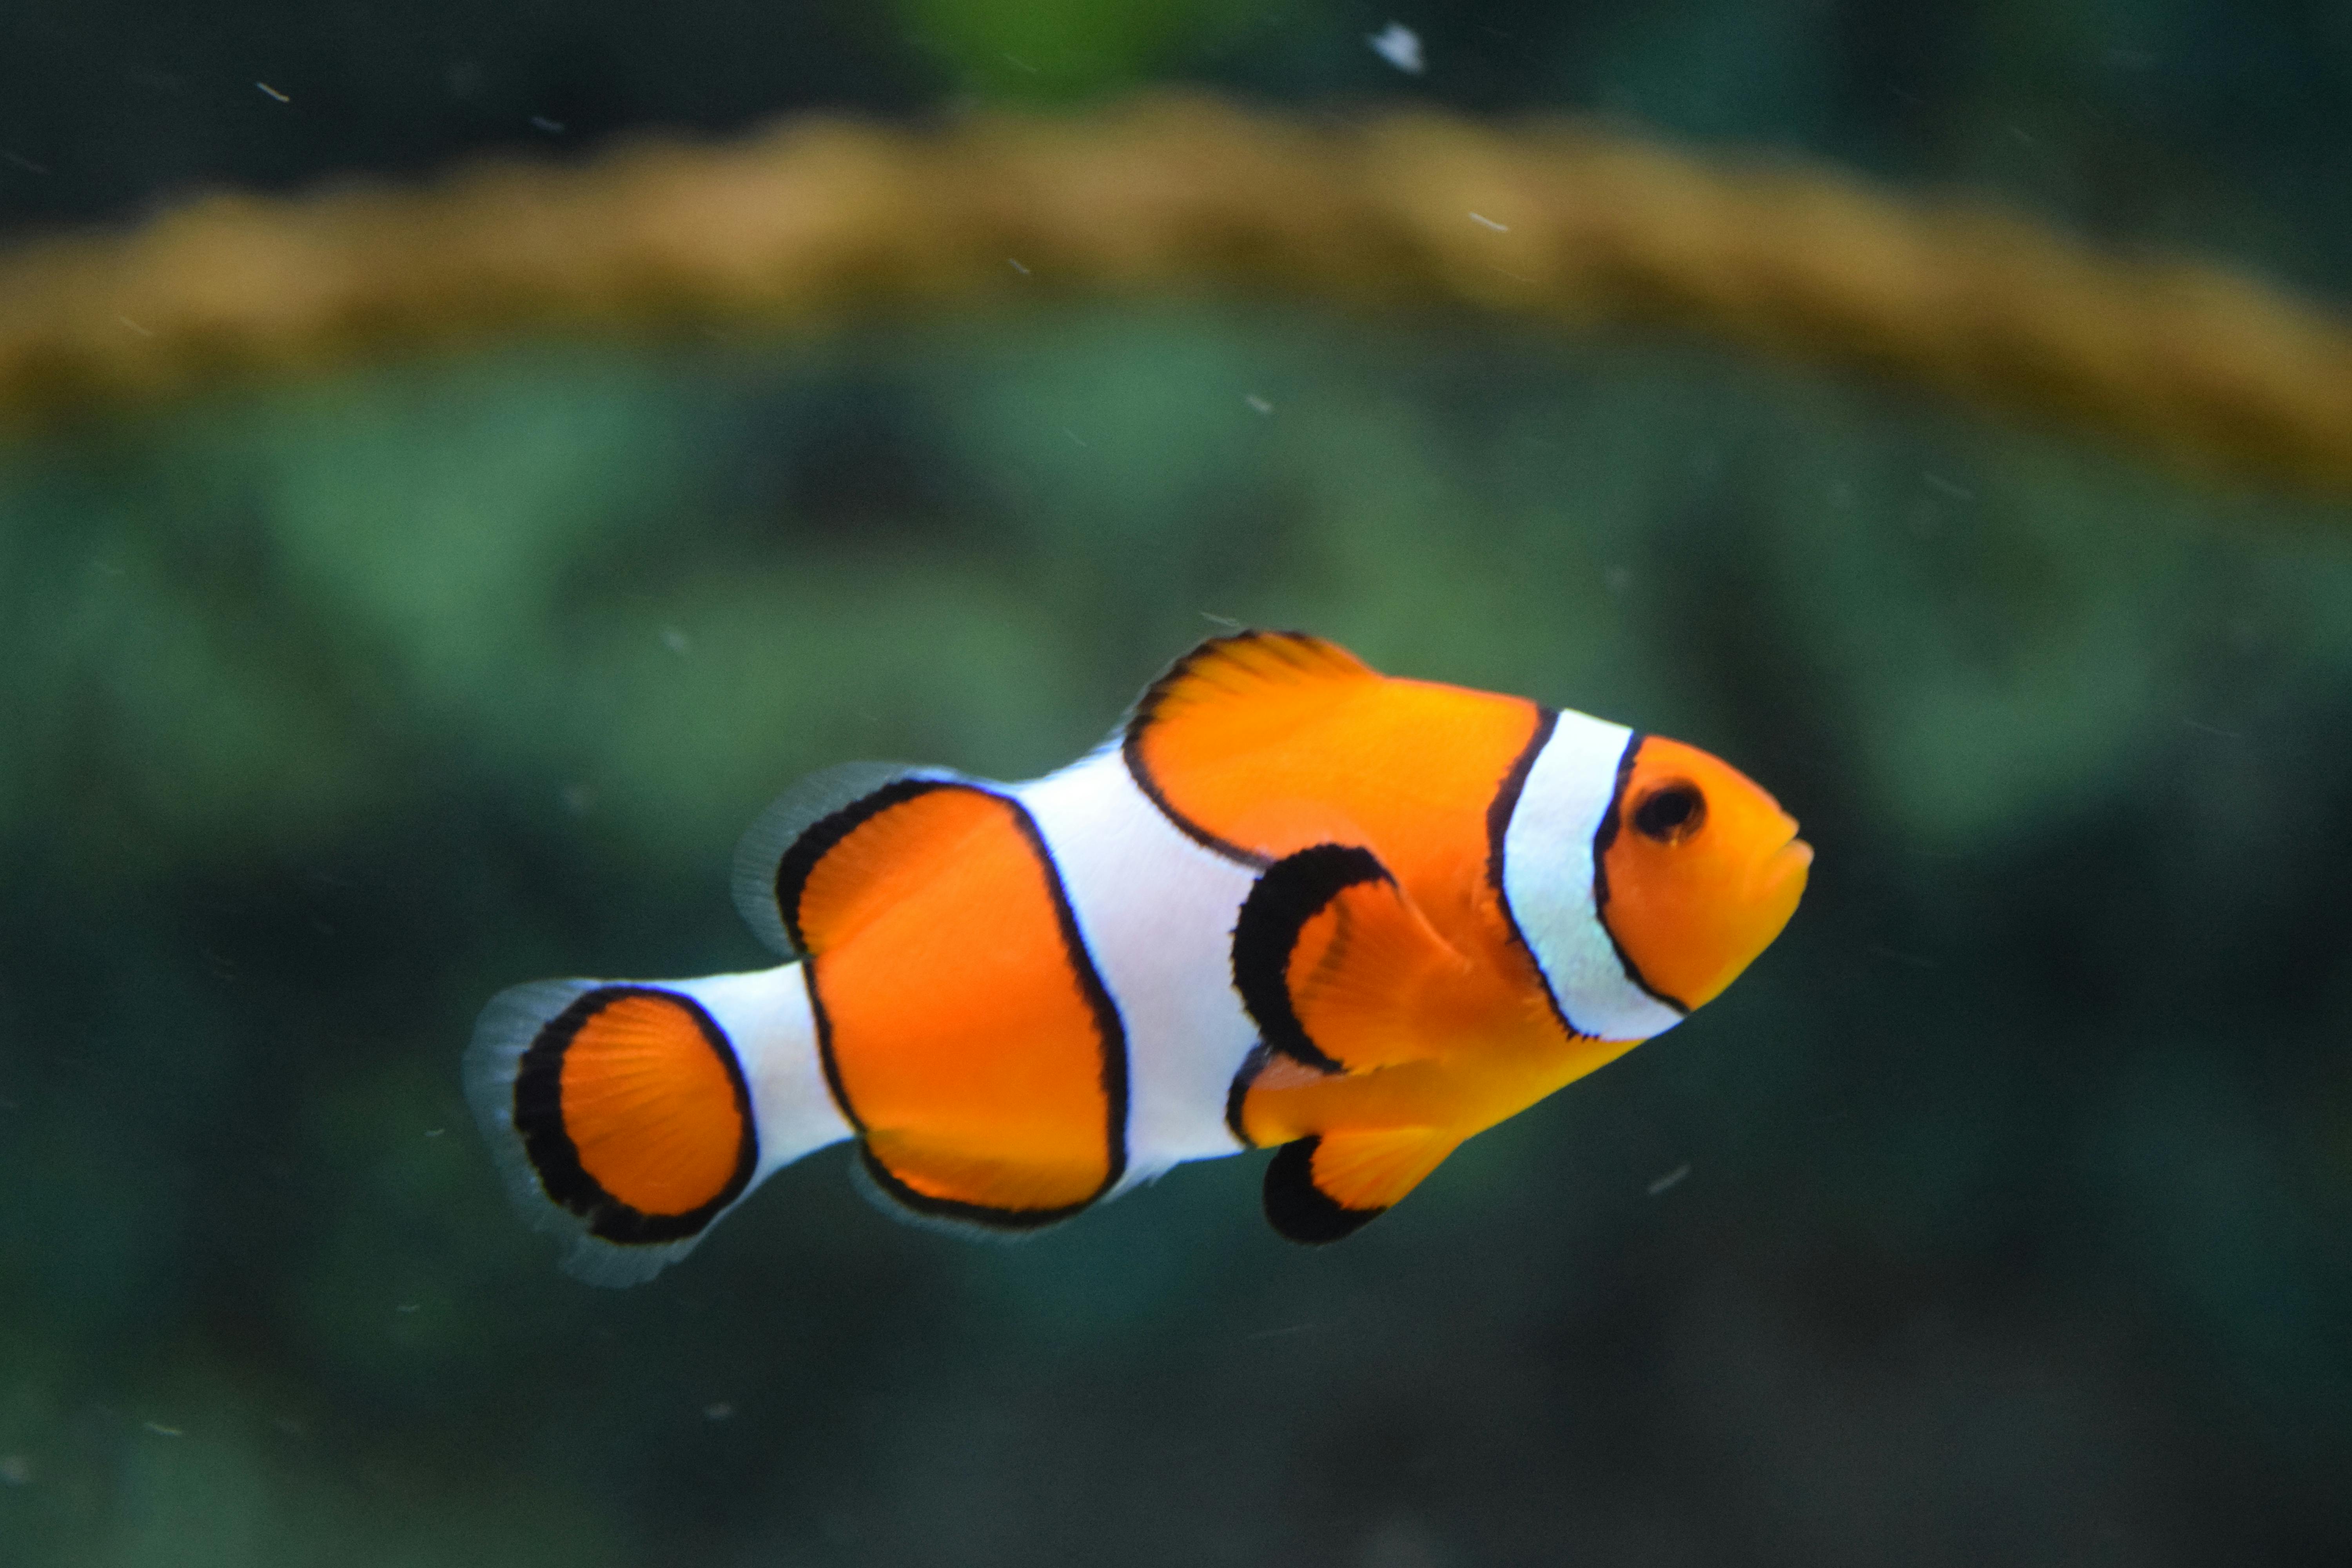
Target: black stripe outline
{"x":1289,"y":893}
{"x":793,"y":873}
{"x":1302,"y":1212}
{"x":555,"y":1159}
{"x":798,"y":862}
{"x":1604,"y":836}
{"x":1237,"y":1096}
{"x":1499,"y":826}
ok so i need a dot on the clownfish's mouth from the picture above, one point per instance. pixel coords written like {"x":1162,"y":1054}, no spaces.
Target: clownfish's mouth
{"x":1789,"y":863}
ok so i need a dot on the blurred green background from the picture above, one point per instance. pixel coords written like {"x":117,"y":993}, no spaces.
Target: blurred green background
{"x":2019,"y":1174}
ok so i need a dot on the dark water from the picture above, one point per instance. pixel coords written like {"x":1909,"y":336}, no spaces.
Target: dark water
{"x":1999,"y":1216}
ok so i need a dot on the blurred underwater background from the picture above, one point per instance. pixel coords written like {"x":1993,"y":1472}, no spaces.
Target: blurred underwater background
{"x":1999,"y":1216}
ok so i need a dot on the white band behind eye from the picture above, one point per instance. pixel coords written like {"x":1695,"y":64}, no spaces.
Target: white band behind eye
{"x":1548,"y":881}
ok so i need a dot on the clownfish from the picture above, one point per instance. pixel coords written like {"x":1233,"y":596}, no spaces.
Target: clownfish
{"x":1291,"y":903}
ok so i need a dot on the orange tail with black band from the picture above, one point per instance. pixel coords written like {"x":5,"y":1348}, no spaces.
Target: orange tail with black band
{"x":628,"y":1117}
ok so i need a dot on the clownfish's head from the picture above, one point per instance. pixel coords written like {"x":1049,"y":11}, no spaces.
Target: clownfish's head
{"x":1697,"y":871}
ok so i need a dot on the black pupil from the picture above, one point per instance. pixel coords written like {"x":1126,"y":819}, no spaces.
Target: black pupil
{"x":1669,"y":813}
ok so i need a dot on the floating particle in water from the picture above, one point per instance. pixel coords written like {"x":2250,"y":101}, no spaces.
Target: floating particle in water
{"x":163,"y":1431}
{"x":1258,"y":405}
{"x":1015,"y":263}
{"x":273,"y":92}
{"x":1484,"y":221}
{"x":15,"y":1470}
{"x":1400,"y":46}
{"x":718,"y":1411}
{"x":1670,"y":1181}
{"x":552,"y":127}
{"x":675,"y":639}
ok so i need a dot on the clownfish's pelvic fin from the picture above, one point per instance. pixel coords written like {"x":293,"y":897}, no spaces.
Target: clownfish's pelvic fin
{"x":1327,"y":1187}
{"x":628,"y":1117}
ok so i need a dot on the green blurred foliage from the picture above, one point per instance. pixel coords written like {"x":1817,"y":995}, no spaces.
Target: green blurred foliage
{"x":2016,"y":1170}
{"x":1055,"y":50}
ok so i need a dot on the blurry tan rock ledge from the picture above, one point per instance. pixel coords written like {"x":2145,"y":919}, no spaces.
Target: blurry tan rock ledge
{"x":819,"y":221}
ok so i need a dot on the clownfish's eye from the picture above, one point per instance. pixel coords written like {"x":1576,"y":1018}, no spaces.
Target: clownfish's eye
{"x":1671,"y":813}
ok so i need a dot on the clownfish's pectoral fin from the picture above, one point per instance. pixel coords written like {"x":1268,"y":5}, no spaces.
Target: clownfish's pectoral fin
{"x":1338,"y":967}
{"x":1322,"y":1188}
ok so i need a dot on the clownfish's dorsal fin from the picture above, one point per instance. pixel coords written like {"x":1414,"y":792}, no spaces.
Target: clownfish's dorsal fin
{"x":1246,"y":666}
{"x":1337,"y":966}
{"x":821,"y":797}
{"x":1326,"y":1187}
{"x":1231,"y":699}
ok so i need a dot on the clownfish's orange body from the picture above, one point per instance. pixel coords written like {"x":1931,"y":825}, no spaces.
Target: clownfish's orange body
{"x":1294,"y":904}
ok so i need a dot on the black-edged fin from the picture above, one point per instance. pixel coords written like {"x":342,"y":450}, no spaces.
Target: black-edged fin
{"x":760,"y":854}
{"x":1289,"y":893}
{"x":1217,"y":702}
{"x":1299,"y":1210}
{"x":1325,"y":1188}
{"x":1353,"y":997}
{"x":634,"y":1153}
{"x":881,"y":1186}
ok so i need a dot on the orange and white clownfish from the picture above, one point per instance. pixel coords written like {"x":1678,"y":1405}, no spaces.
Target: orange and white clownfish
{"x":1291,"y":903}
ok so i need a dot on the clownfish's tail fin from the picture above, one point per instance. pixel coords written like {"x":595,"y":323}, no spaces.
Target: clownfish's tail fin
{"x":629,"y":1116}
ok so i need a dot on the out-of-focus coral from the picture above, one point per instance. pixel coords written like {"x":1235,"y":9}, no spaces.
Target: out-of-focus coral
{"x":1562,"y":223}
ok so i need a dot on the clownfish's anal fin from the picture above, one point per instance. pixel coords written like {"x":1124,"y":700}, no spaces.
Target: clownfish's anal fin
{"x":1337,"y":966}
{"x":1326,"y":1187}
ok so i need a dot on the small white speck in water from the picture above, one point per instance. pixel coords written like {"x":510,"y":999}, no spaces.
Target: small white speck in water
{"x":1014,"y":262}
{"x":1670,"y":1181}
{"x":1258,"y":405}
{"x":719,"y":1411}
{"x":1400,"y":46}
{"x":273,"y":92}
{"x":552,"y":127}
{"x":675,"y":639}
{"x":163,"y":1431}
{"x":1482,"y":220}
